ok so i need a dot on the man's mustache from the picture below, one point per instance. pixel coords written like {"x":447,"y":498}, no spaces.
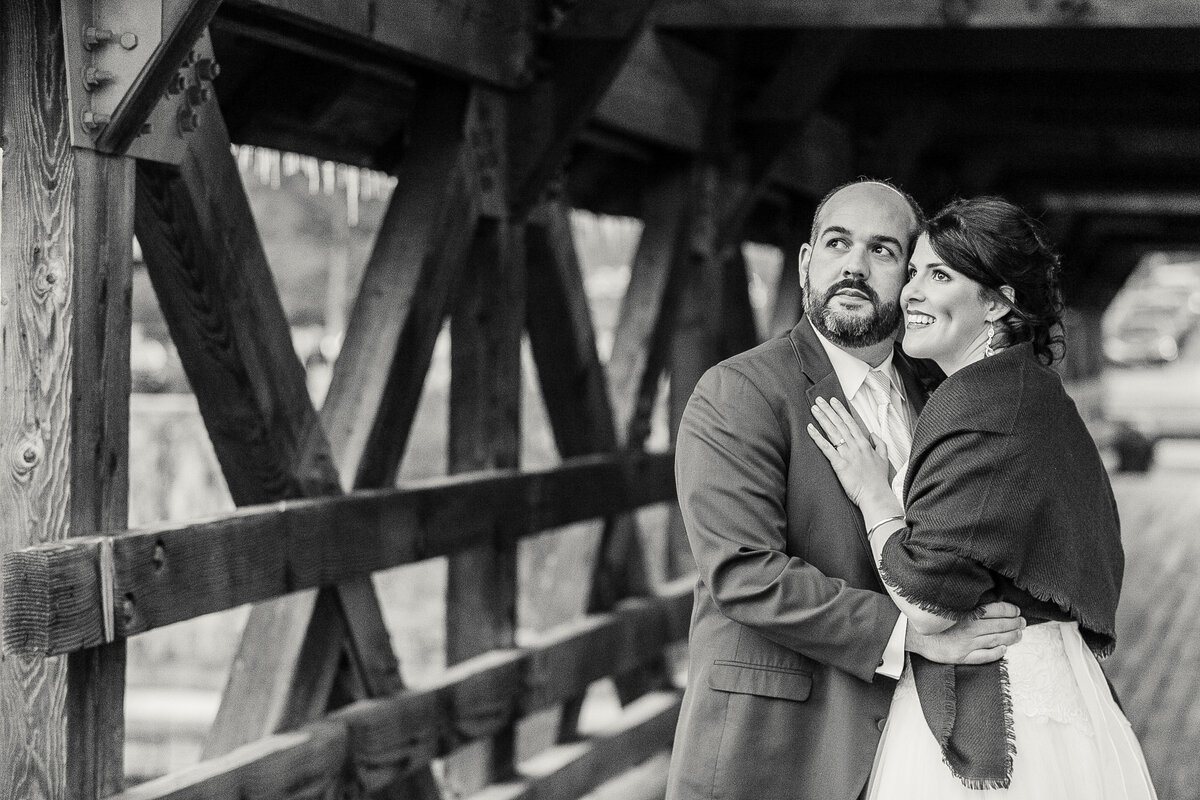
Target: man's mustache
{"x":857,"y":284}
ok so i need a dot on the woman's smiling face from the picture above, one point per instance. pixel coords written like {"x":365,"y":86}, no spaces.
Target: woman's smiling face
{"x":946,"y":313}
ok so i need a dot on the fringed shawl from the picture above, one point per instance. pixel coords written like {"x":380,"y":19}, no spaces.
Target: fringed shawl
{"x":1007,"y":498}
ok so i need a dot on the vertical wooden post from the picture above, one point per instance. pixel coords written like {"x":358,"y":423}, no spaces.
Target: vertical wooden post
{"x":65,"y":249}
{"x":486,"y":327}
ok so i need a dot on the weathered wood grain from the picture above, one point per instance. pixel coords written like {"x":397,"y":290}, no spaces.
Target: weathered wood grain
{"x":373,"y":743}
{"x":175,"y":572}
{"x":64,"y":316}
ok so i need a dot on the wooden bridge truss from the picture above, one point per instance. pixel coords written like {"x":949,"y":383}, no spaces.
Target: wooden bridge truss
{"x":715,"y":122}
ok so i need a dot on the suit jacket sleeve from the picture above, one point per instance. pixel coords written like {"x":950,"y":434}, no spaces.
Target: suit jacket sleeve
{"x":732,"y":473}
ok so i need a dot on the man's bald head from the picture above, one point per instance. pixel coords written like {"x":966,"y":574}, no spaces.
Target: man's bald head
{"x":867,"y":185}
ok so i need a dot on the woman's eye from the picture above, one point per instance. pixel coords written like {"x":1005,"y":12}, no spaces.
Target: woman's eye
{"x":939,"y":275}
{"x":912,"y":273}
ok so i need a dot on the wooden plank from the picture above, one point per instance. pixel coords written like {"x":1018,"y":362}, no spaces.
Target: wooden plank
{"x":300,"y":765}
{"x":64,"y":279}
{"x":377,"y":742}
{"x":179,"y":37}
{"x":491,"y":41}
{"x":921,"y":13}
{"x":171,"y":573}
{"x":571,"y":770}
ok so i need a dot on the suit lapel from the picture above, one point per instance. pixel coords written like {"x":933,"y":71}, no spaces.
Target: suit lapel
{"x":815,"y":364}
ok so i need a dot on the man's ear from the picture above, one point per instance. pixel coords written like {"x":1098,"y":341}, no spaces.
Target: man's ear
{"x":805,"y":258}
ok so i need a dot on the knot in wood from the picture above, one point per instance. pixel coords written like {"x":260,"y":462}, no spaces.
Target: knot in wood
{"x":25,"y":455}
{"x":49,"y":273}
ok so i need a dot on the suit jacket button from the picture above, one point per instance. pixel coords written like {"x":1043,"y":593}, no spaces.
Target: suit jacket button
{"x":881,"y":724}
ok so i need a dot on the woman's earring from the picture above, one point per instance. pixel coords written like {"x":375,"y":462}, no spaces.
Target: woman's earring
{"x":988,"y":350}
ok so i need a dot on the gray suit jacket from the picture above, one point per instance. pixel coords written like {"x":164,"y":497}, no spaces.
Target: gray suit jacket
{"x":790,"y":619}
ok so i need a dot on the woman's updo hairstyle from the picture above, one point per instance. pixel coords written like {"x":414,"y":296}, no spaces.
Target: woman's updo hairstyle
{"x":995,"y":243}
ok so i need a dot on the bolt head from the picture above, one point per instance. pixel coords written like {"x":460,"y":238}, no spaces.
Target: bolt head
{"x":129,"y":40}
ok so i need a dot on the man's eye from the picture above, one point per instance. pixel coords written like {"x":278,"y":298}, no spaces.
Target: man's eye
{"x":836,"y":243}
{"x":880,"y":250}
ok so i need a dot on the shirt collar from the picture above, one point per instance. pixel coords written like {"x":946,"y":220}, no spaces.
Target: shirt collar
{"x":851,"y":371}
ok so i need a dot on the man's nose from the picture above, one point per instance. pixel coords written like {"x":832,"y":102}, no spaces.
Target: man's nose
{"x":857,"y":264}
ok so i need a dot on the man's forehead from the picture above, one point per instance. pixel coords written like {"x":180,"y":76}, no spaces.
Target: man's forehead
{"x":869,"y":209}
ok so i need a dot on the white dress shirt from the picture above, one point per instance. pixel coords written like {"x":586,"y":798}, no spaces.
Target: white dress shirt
{"x":852,"y":374}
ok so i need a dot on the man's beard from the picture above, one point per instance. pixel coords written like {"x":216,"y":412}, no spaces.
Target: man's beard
{"x":847,"y":329}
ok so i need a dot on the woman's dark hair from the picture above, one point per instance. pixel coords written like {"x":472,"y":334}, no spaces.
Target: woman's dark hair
{"x":995,"y":243}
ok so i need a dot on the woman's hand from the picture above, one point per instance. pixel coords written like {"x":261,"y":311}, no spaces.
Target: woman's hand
{"x":859,"y":460}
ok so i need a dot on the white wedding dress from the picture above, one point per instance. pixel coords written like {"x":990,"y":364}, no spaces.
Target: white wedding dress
{"x":1072,"y":741}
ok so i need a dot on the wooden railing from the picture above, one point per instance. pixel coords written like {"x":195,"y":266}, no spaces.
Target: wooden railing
{"x":55,"y":597}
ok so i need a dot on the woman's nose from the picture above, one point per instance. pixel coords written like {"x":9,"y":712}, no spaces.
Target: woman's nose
{"x":911,"y":291}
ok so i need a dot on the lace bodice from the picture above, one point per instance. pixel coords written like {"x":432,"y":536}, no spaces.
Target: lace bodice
{"x":1040,"y":679}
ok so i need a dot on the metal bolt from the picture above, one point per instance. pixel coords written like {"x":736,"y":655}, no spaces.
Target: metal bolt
{"x":198,"y":95}
{"x":145,"y":129}
{"x":177,"y":83}
{"x":93,"y":77}
{"x":129,"y":40}
{"x":93,"y":36}
{"x":92,"y":120}
{"x":189,"y":120}
{"x":207,"y":69}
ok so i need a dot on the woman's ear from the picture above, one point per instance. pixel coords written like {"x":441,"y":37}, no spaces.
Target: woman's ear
{"x":999,"y":309}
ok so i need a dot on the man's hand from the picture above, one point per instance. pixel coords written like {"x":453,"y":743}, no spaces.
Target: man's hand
{"x":975,"y":640}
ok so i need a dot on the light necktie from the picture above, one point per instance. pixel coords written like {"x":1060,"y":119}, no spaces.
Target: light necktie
{"x":890,"y":417}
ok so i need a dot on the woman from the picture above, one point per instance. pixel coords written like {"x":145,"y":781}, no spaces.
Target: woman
{"x":1004,"y":497}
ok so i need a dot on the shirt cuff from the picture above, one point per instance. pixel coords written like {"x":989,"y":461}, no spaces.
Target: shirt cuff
{"x":892,"y":663}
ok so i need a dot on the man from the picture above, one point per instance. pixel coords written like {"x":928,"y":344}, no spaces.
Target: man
{"x":794,"y":646}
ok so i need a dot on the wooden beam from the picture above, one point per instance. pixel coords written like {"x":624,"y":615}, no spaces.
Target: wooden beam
{"x":572,"y":770}
{"x":65,"y":279}
{"x":216,"y":291}
{"x":582,"y":56}
{"x":491,"y":41}
{"x":170,"y":573}
{"x":648,"y":308}
{"x":486,"y":327}
{"x":563,"y":339}
{"x":377,"y":742}
{"x":404,"y":297}
{"x":660,"y":96}
{"x":921,"y":14}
